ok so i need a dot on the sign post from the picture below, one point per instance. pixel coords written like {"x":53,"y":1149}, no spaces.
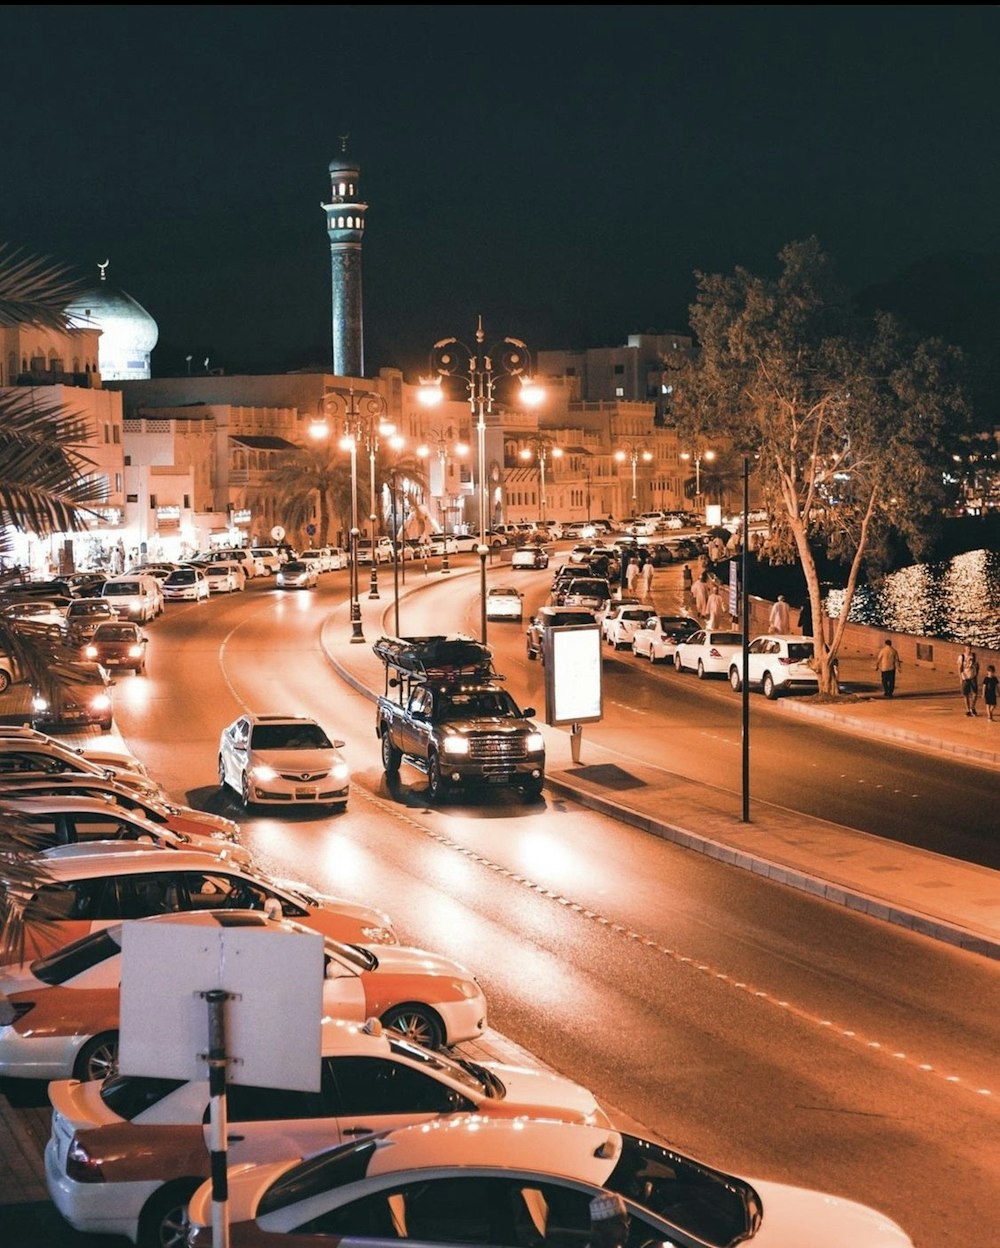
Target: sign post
{"x":573,"y":689}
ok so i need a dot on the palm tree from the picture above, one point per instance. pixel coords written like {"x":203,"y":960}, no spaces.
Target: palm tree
{"x":46,"y":487}
{"x":311,"y":476}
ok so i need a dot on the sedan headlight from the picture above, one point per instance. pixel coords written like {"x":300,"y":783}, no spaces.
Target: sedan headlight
{"x":453,"y":744}
{"x":134,"y":652}
{"x":101,"y":702}
{"x":262,"y":771}
{"x":467,"y":988}
{"x":535,"y":743}
{"x":340,"y":771}
{"x":91,"y":652}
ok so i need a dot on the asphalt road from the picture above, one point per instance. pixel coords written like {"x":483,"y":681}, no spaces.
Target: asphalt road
{"x":758,"y":1028}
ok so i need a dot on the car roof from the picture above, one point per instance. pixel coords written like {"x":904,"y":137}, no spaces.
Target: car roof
{"x":52,"y":803}
{"x":277,"y":719}
{"x":85,"y":866}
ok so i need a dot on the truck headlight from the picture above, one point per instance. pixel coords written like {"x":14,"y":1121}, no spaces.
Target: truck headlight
{"x":535,"y":742}
{"x":453,"y":744}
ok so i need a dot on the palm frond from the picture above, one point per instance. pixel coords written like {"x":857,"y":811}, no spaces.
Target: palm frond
{"x":34,"y":290}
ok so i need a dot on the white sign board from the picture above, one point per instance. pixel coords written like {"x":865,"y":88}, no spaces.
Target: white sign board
{"x":573,"y":690}
{"x":272,"y":1022}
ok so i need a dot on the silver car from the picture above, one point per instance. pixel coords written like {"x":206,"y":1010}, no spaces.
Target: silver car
{"x":282,"y":760}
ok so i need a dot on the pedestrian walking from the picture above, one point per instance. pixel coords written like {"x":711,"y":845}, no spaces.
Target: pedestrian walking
{"x":806,"y":619}
{"x":990,"y":692}
{"x":699,"y":592}
{"x":717,"y":612}
{"x":686,"y":580}
{"x":631,"y":575}
{"x":646,"y":581}
{"x":887,"y":664}
{"x":968,"y":671}
{"x":779,"y":620}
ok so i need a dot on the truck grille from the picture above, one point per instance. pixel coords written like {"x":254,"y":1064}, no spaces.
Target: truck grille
{"x":499,"y":749}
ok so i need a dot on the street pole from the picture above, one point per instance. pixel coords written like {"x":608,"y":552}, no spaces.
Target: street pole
{"x":482,"y":550}
{"x":357,"y":634}
{"x":745,"y":619}
{"x":395,"y":560}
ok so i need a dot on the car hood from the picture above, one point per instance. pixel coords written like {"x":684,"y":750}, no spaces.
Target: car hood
{"x":404,"y":960}
{"x":297,"y":760}
{"x":503,"y":727}
{"x":795,"y":1215}
{"x":544,"y":1094}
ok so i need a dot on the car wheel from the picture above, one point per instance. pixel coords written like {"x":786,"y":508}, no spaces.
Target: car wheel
{"x":4,"y":680}
{"x":106,"y":725}
{"x":735,"y":679}
{"x":391,"y":756}
{"x":245,"y":791}
{"x":677,"y":662}
{"x":531,"y":655}
{"x":701,"y":670}
{"x":768,"y":685}
{"x":98,"y":1058}
{"x":651,"y":656}
{"x":416,"y":1023}
{"x":163,"y":1223}
{"x":435,"y":781}
{"x":222,"y":773}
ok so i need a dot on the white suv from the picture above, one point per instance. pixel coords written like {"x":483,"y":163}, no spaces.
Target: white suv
{"x":777,"y":664}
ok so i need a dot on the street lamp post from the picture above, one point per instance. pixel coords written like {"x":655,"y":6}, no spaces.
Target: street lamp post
{"x":543,"y":449}
{"x":442,"y":439}
{"x":697,"y":457}
{"x":446,"y":360}
{"x":634,"y":454}
{"x":363,"y":415}
{"x":482,"y":550}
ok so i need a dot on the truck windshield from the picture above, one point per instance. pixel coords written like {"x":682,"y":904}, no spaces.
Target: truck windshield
{"x":477,"y":704}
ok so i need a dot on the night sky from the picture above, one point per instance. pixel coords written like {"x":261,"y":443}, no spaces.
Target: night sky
{"x":563,"y":170}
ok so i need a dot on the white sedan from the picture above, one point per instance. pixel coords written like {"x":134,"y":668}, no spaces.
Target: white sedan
{"x":225,"y":578}
{"x":297,"y":574}
{"x":474,"y":1179}
{"x":708,"y":652}
{"x":283,"y":760}
{"x":619,"y":624}
{"x":657,"y":638}
{"x":503,"y":602}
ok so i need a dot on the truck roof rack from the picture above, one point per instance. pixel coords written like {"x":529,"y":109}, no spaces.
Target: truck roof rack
{"x":446,"y":657}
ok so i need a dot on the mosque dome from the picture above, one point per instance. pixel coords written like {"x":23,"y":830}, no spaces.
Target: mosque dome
{"x":128,"y":332}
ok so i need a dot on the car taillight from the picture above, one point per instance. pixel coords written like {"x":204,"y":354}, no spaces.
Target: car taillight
{"x":714,"y":654}
{"x":785,"y":662}
{"x":80,"y":1166}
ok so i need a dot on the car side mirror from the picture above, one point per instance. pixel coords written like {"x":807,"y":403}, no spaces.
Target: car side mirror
{"x":528,"y":712}
{"x":339,"y":745}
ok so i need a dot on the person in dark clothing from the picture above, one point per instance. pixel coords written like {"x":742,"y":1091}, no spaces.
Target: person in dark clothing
{"x":806,"y":619}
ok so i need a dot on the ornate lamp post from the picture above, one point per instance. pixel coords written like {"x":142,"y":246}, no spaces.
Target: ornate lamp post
{"x":362,"y":413}
{"x":541,"y":449}
{"x":450,"y":357}
{"x":634,"y":454}
{"x":442,"y":439}
{"x":698,"y":456}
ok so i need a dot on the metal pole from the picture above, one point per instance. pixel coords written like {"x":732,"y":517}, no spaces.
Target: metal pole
{"x":218,"y":1128}
{"x":356,"y":632}
{"x":541,"y":497}
{"x":395,"y":559}
{"x":483,"y":551}
{"x":445,"y":565}
{"x":745,"y":618}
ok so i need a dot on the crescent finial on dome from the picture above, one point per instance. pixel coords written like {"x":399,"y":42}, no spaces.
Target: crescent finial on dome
{"x":103,"y":268}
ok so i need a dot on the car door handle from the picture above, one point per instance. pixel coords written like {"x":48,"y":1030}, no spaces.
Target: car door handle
{"x":358,"y":1131}
{"x":235,"y":1139}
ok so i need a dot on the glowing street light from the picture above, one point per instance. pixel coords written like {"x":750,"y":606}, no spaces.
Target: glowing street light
{"x":634,"y":455}
{"x":708,"y":456}
{"x":542,"y":449}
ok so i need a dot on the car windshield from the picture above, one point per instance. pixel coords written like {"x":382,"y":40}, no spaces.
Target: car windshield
{"x":114,"y":632}
{"x":294,"y":566}
{"x":477,"y":704}
{"x":321,"y":1173}
{"x":709,"y":1204}
{"x":88,"y":607}
{"x":183,"y":576}
{"x":289,"y":737}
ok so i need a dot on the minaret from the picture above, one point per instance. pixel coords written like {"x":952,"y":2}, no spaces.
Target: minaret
{"x":345,"y":224}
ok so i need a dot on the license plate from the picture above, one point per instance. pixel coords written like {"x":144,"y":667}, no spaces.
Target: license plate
{"x":303,"y":794}
{"x":498,"y":779}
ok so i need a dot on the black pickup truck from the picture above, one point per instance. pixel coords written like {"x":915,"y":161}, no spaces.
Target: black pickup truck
{"x":445,"y":713}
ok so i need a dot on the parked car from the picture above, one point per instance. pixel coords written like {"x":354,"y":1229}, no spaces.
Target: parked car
{"x":371,"y":1079}
{"x":85,"y":892}
{"x":503,"y":602}
{"x":187,"y":583}
{"x":237,"y":554}
{"x":225,"y":577}
{"x":709,"y":652}
{"x":777,"y":664}
{"x":586,"y":591}
{"x":75,"y":819}
{"x":118,"y":644}
{"x":657,"y":638}
{"x":620,"y":622}
{"x":382,"y":550}
{"x":554,"y":617}
{"x":320,"y":556}
{"x":83,"y":615}
{"x":158,"y":810}
{"x":28,"y":751}
{"x":37,"y":611}
{"x":441,"y":544}
{"x":67,"y":1003}
{"x":283,"y":760}
{"x":530,"y":557}
{"x":267,"y":557}
{"x":483,"y":1180}
{"x":297,"y":574}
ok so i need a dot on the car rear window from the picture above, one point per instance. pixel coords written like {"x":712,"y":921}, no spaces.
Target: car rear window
{"x":130,"y":1095}
{"x":74,"y":958}
{"x":800,"y":651}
